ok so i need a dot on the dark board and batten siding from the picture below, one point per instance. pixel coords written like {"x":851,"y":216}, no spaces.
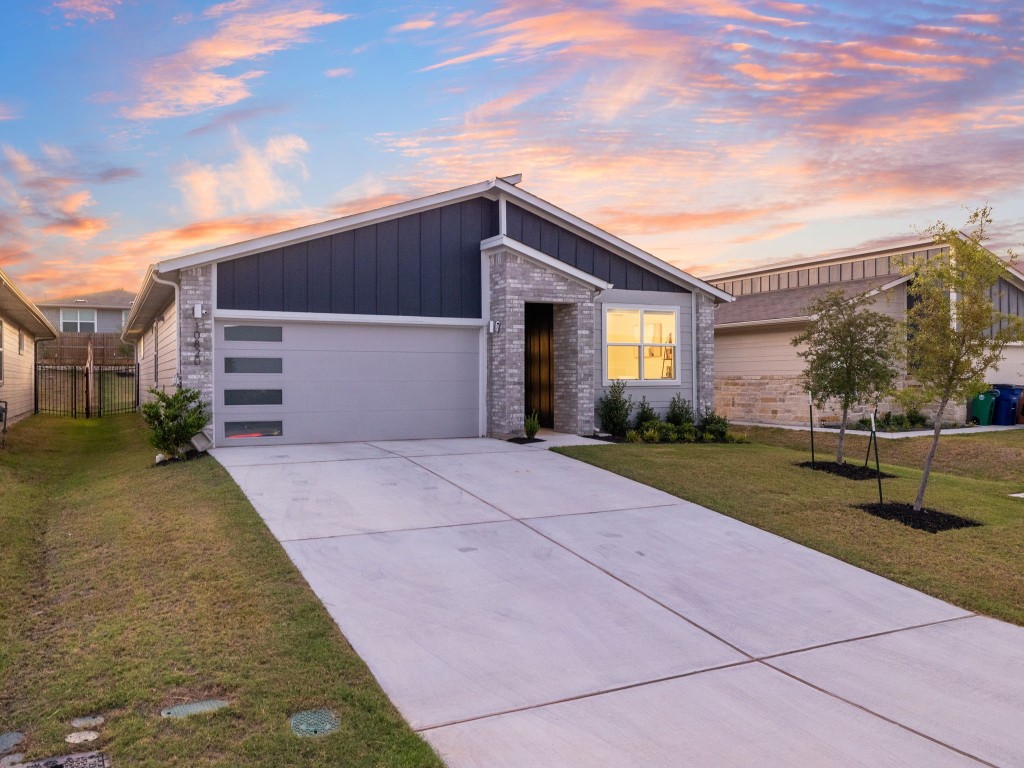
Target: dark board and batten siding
{"x":423,"y":265}
{"x":559,"y":243}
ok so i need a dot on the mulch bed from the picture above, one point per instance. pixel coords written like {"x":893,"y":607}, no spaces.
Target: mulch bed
{"x":190,"y":455}
{"x":524,"y":440}
{"x":929,"y":520}
{"x":847,"y":470}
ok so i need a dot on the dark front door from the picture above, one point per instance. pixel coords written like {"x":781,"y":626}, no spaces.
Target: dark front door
{"x":540,"y":373}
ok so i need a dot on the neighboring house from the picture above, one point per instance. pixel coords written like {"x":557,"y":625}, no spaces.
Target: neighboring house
{"x":101,"y":312}
{"x":450,"y":315}
{"x":22,"y":324}
{"x":758,"y":373}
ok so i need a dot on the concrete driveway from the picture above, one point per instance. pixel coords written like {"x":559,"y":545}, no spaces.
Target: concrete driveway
{"x":524,"y":609}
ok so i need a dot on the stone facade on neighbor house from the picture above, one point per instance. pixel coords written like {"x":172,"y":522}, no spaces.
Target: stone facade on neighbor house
{"x":514,"y":281}
{"x":758,"y":372}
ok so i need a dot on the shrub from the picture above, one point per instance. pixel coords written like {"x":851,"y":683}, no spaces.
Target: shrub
{"x":713,"y":428}
{"x":650,"y":434}
{"x":614,"y":407}
{"x":667,"y":433}
{"x":632,"y":436}
{"x":645,"y":413}
{"x":680,"y":411}
{"x":173,"y":419}
{"x":916,"y":418}
{"x":687,"y":433}
{"x":532,"y":425}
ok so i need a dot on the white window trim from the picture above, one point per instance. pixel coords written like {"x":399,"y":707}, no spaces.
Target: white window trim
{"x":78,"y":318}
{"x":641,"y":382}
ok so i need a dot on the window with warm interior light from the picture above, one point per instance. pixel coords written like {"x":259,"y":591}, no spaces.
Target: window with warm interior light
{"x":640,"y":343}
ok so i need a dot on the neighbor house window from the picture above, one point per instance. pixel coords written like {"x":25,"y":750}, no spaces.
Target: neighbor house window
{"x":640,"y":343}
{"x":78,"y":320}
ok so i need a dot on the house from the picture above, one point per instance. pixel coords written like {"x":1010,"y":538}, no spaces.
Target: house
{"x":89,"y":328}
{"x":100,"y":312}
{"x":446,"y":316}
{"x":757,"y":370}
{"x":22,"y":324}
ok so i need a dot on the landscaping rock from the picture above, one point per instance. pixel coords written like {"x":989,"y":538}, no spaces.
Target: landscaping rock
{"x":81,"y":737}
{"x":87,"y":722}
{"x":10,"y":740}
{"x":193,"y":708}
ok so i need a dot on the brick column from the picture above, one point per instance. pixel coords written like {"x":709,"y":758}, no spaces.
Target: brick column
{"x":705,"y":346}
{"x":196,"y":288}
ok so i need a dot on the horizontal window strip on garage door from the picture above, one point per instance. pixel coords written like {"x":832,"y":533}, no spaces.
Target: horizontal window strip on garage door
{"x":253,"y":333}
{"x":241,"y":429}
{"x":252,"y":397}
{"x":253,"y":365}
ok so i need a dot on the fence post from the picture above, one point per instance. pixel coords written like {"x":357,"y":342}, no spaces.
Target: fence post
{"x":137,"y":371}
{"x":35,"y":393}
{"x":74,"y":391}
{"x":99,"y":393}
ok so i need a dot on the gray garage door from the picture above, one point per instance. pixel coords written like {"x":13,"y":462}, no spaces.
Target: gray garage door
{"x":299,"y":382}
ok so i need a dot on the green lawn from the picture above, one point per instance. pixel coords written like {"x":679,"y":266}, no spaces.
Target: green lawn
{"x":981,"y":569}
{"x":126,"y":588}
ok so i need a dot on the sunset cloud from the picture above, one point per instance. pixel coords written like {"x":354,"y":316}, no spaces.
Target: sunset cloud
{"x":339,"y":72}
{"x":47,"y":192}
{"x":195,"y":79}
{"x":253,"y":181}
{"x":90,"y":10}
{"x":7,"y":112}
{"x":414,"y":25}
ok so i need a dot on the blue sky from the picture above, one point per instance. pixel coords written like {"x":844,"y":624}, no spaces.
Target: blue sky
{"x":713,"y":133}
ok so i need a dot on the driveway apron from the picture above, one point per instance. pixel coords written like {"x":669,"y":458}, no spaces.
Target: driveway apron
{"x":521,"y":608}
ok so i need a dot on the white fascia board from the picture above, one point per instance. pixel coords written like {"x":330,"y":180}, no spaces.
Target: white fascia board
{"x":630,"y":252}
{"x":331,"y":227}
{"x":349,"y":319}
{"x":770,"y":321}
{"x":141,"y":303}
{"x":505,"y":242}
{"x":45,"y":325}
{"x":887,"y":286}
{"x":822,"y":259}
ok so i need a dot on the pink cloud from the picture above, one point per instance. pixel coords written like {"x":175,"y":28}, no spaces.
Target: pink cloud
{"x":990,"y":19}
{"x":339,"y":72}
{"x":91,"y":10}
{"x":414,"y":25}
{"x":192,"y":80}
{"x":7,"y":112}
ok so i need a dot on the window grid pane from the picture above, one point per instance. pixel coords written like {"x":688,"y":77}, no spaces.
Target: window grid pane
{"x":653,"y":359}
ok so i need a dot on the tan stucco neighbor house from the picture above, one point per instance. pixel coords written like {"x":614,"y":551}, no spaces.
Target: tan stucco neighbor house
{"x":452,"y":315}
{"x":22,"y":324}
{"x":758,"y":371}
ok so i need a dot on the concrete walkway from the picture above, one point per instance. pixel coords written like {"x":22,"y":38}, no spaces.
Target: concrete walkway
{"x":524,"y":609}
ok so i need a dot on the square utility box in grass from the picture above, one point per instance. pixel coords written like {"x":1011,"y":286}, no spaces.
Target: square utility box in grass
{"x":453,"y":315}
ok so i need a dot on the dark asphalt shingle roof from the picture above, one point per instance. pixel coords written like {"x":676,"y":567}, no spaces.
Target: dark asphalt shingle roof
{"x":114,"y":299}
{"x":793,"y":302}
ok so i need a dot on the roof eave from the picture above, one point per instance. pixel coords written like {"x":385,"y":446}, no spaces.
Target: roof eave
{"x":43,"y":329}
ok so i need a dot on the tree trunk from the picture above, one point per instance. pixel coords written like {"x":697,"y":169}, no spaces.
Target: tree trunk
{"x":919,"y":501}
{"x":842,"y":436}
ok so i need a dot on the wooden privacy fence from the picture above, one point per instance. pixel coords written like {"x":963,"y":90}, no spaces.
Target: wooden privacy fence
{"x":73,"y":349}
{"x":79,"y":390}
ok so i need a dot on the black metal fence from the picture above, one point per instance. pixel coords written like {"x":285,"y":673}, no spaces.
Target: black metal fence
{"x":75,"y":390}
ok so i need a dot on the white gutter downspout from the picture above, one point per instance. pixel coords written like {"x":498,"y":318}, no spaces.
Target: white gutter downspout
{"x":177,"y":325}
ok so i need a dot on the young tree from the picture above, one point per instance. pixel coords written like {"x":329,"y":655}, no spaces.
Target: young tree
{"x":852,"y":354}
{"x":954,"y":331}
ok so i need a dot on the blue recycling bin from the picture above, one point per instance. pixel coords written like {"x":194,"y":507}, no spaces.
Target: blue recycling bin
{"x":1006,"y":404}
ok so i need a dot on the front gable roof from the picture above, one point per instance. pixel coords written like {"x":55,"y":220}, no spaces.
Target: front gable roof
{"x":494,"y":189}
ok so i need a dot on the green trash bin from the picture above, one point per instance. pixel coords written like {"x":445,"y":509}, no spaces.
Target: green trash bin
{"x":983,"y":407}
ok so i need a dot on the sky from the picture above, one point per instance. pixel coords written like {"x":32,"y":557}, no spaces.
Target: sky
{"x":714,"y":134}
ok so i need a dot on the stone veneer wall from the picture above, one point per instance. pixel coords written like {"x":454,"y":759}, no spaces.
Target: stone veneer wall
{"x":782,"y":400}
{"x":513,"y":282}
{"x":704,"y":306}
{"x":196,"y":288}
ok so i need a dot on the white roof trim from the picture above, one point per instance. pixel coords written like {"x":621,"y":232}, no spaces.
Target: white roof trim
{"x":490,"y":188}
{"x":630,"y":252}
{"x":331,"y":227}
{"x":549,"y":262}
{"x":769,"y":321}
{"x":822,"y":259}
